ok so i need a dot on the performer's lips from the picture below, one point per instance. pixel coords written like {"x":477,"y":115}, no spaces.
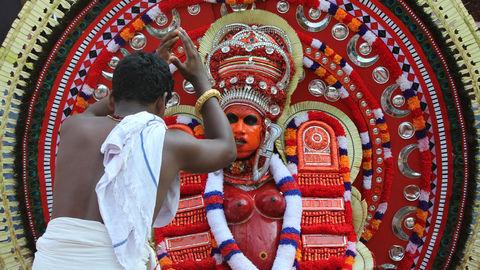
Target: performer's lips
{"x":240,"y":141}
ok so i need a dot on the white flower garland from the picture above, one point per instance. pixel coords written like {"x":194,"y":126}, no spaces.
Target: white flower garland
{"x":289,"y":236}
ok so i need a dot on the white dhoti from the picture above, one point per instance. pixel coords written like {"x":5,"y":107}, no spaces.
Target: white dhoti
{"x":77,"y":244}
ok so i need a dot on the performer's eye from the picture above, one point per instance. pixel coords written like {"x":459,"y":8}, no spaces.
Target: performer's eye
{"x":232,"y":118}
{"x":250,"y":120}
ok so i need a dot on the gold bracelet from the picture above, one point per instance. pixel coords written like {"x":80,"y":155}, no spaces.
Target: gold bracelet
{"x":203,"y":98}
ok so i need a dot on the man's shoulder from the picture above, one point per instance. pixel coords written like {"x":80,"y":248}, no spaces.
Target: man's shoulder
{"x":83,"y":123}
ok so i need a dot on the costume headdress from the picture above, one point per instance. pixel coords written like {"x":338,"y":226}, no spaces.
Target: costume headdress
{"x":252,"y":64}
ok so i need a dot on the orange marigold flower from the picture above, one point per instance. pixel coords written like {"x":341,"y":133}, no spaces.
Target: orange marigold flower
{"x":367,"y":165}
{"x":291,"y":150}
{"x":349,"y":260}
{"x":340,"y":14}
{"x":413,"y":103}
{"x":337,"y":58}
{"x":329,"y":51}
{"x":367,"y":153}
{"x":330,"y":80}
{"x":354,"y":25}
{"x":81,"y":102}
{"x":138,"y":24}
{"x":419,"y":123}
{"x":320,"y":72}
{"x":418,"y":229}
{"x":344,"y":162}
{"x":375,"y":223}
{"x":422,"y":214}
{"x":367,"y":235}
{"x":290,"y":134}
{"x":126,"y":34}
{"x":385,"y":137}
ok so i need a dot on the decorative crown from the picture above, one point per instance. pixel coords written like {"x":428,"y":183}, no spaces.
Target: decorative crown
{"x":253,"y":66}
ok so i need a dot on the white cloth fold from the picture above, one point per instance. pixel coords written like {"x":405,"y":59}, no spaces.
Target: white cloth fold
{"x":127,"y":191}
{"x":77,"y":244}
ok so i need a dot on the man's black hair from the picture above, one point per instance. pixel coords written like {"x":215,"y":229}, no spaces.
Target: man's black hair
{"x":142,"y":77}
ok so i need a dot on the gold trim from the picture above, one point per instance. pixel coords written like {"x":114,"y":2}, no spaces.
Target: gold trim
{"x":364,"y":258}
{"x":354,"y":143}
{"x":182,"y":109}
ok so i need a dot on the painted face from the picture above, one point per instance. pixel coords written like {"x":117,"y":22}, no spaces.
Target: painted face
{"x":247,"y":129}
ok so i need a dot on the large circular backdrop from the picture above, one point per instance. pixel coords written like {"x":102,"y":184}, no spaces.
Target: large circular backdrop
{"x":402,"y":77}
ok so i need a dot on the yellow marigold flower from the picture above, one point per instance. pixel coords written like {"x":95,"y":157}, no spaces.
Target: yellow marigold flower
{"x":346,"y":177}
{"x":382,"y":126}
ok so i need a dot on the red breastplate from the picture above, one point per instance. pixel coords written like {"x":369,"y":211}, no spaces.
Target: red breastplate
{"x":255,"y":219}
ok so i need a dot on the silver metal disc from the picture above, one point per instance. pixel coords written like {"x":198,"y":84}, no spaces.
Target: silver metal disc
{"x":411,"y":193}
{"x":317,"y":87}
{"x":406,"y":130}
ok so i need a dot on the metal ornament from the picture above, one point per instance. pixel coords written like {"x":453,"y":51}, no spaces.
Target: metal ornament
{"x":403,"y":161}
{"x":340,"y":31}
{"x":355,"y":57}
{"x":161,"y":20}
{"x":399,"y":219}
{"x":411,"y":193}
{"x":174,"y":101}
{"x":160,"y":33}
{"x":283,"y":7}
{"x":398,"y":101}
{"x":107,"y":75}
{"x":113,"y":62}
{"x":409,"y":223}
{"x":365,"y":48}
{"x":396,"y":253}
{"x":387,"y":266}
{"x":332,"y":94}
{"x":272,"y":133}
{"x":309,"y":25}
{"x":274,"y":109}
{"x":387,"y":105}
{"x":188,"y":87}
{"x":138,"y":42}
{"x":100,"y":92}
{"x":314,"y":13}
{"x":406,"y":130}
{"x":381,"y":75}
{"x":317,"y":87}
{"x":124,"y":51}
{"x":193,"y":10}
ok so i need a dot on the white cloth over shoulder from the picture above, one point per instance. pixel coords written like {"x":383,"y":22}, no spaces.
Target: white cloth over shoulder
{"x":127,"y":191}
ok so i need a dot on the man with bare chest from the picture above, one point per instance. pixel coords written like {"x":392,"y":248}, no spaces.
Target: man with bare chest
{"x":124,"y":178}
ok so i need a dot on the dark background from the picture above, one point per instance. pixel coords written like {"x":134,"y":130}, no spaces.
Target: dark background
{"x":10,"y":8}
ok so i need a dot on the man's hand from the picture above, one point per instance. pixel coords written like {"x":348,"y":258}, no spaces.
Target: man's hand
{"x":192,"y":69}
{"x":165,"y":49}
